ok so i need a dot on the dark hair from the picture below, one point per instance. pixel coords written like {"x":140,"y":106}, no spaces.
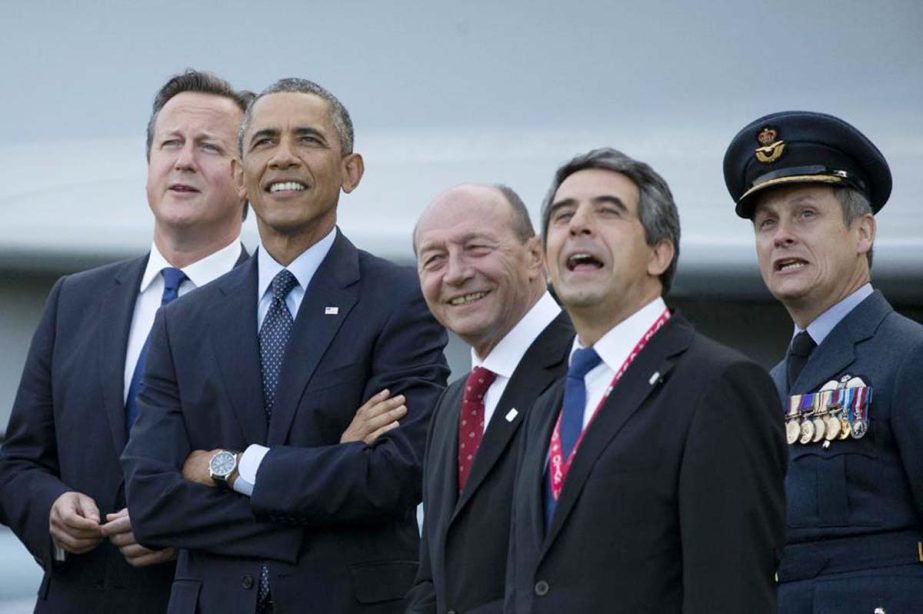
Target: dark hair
{"x":193,"y":81}
{"x":656,"y":208}
{"x":338,"y":113}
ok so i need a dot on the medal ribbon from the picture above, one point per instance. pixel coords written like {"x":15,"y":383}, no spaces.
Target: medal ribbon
{"x":557,"y":465}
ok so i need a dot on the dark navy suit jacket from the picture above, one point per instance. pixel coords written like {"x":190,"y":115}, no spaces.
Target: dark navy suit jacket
{"x":855,"y":508}
{"x":335,"y":522}
{"x":464,"y":547}
{"x":674,"y":500}
{"x":66,"y":432}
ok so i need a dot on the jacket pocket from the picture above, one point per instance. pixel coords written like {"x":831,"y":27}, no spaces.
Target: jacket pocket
{"x":382,"y":580}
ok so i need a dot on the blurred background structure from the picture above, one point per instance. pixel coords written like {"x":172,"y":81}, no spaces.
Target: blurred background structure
{"x":442,"y":93}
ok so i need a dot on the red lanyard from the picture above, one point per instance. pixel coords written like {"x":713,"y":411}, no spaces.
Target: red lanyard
{"x":558,"y":466}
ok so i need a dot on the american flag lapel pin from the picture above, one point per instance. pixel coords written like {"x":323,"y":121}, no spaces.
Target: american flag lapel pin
{"x":331,"y":311}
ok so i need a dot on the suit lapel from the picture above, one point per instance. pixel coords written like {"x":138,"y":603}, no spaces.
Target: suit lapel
{"x":333,"y":285}
{"x":444,"y":450}
{"x":533,"y":375}
{"x":838,"y":349}
{"x":656,"y":358}
{"x":116,"y":308}
{"x":237,"y":349}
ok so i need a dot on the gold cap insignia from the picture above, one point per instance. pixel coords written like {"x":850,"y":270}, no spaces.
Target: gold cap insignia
{"x":770,"y":149}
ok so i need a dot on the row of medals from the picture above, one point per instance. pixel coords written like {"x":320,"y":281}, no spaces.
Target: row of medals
{"x":828,"y":421}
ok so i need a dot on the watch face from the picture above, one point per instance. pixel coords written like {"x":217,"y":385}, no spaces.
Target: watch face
{"x":222,"y":463}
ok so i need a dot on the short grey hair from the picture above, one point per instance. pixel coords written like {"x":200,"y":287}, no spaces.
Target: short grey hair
{"x":656,"y":208}
{"x":854,"y":204}
{"x":338,"y":113}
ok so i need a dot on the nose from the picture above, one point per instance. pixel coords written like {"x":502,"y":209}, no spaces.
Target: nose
{"x":185,"y":158}
{"x":458,"y":270}
{"x":783,"y":234}
{"x":580,"y":222}
{"x":283,"y":155}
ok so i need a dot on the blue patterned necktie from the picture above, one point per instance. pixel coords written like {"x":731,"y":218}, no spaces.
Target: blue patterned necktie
{"x":274,"y":335}
{"x":172,"y":279}
{"x":582,"y":362}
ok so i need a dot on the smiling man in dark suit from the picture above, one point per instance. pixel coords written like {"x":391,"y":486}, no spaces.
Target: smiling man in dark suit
{"x":61,"y":485}
{"x":852,"y":379}
{"x":238,"y":458}
{"x":651,"y":479}
{"x":481,"y":271}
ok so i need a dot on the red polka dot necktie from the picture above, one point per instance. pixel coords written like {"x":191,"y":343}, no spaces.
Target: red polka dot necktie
{"x":471,"y":420}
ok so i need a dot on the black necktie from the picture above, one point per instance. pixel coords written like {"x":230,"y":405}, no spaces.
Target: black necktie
{"x":798,"y":354}
{"x":172,"y":279}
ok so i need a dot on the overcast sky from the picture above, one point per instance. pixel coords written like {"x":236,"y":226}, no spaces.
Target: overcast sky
{"x":443,"y":92}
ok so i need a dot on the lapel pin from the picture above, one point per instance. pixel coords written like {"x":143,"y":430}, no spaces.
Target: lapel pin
{"x":511,"y":415}
{"x":331,"y":311}
{"x":654,"y":378}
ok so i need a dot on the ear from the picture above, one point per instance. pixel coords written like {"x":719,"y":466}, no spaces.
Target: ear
{"x":353,"y":168}
{"x":866,"y":228}
{"x":237,"y":170}
{"x":535,"y":257}
{"x":661,"y":257}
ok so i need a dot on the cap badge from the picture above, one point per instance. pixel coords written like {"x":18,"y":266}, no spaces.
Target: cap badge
{"x":770,"y":149}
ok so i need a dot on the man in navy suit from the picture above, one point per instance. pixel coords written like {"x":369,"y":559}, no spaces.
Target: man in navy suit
{"x":61,"y":485}
{"x":481,"y":271}
{"x":237,"y":457}
{"x":652,"y":476}
{"x":852,"y":378}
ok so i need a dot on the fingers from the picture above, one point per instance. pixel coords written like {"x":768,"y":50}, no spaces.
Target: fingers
{"x":373,"y":436}
{"x":74,"y":522}
{"x":118,"y":522}
{"x":385,"y":412}
{"x":152,"y":557}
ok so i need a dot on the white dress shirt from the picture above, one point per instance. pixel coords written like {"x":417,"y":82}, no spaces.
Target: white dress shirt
{"x":505,"y":356}
{"x":614,"y":347}
{"x":150,"y":293}
{"x":303,"y":268}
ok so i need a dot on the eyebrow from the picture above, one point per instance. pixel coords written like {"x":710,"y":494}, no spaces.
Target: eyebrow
{"x":596,"y":200}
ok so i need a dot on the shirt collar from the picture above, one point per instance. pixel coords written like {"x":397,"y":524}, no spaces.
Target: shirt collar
{"x":505,"y":356}
{"x":303,"y":267}
{"x":825,"y":322}
{"x":615,"y":346}
{"x":199,"y":272}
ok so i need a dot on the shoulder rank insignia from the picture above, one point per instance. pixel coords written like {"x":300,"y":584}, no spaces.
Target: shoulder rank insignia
{"x":770,"y":149}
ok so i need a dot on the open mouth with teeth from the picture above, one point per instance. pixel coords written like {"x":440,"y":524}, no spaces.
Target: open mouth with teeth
{"x":583,"y":262}
{"x":467,"y":298}
{"x":286,"y":186}
{"x":789,"y":264}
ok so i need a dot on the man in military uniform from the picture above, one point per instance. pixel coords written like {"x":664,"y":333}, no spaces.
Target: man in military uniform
{"x":852,"y":378}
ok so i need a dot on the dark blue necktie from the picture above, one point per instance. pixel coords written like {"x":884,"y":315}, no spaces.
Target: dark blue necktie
{"x":172,"y":279}
{"x":274,"y":335}
{"x":799,"y":352}
{"x":581,"y":362}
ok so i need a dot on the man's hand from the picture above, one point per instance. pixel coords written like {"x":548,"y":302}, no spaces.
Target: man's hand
{"x":378,"y":416}
{"x":195,"y":469}
{"x":118,"y":530}
{"x":74,"y":522}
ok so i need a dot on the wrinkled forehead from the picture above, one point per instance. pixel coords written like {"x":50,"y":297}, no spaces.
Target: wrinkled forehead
{"x":199,"y":113}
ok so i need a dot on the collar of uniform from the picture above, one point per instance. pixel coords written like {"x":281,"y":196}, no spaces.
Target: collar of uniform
{"x":200,"y":272}
{"x":615,"y":346}
{"x":303,"y":267}
{"x":825,"y":322}
{"x":505,"y":356}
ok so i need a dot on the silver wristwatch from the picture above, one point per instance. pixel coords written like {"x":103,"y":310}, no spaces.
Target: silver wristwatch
{"x":221,"y":466}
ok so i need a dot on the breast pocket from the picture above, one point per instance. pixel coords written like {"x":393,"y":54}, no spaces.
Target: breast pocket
{"x":828,"y":487}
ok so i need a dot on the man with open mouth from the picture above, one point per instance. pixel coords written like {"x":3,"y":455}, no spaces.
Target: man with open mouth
{"x":652,"y":476}
{"x":851,"y":381}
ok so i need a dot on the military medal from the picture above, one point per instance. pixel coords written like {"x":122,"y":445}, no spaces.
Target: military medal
{"x":831,"y":422}
{"x":860,"y":421}
{"x":792,"y":428}
{"x":807,"y":431}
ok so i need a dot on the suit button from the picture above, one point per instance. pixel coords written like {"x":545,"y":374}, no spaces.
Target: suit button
{"x":451,"y":612}
{"x":541,"y":588}
{"x":247,"y":582}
